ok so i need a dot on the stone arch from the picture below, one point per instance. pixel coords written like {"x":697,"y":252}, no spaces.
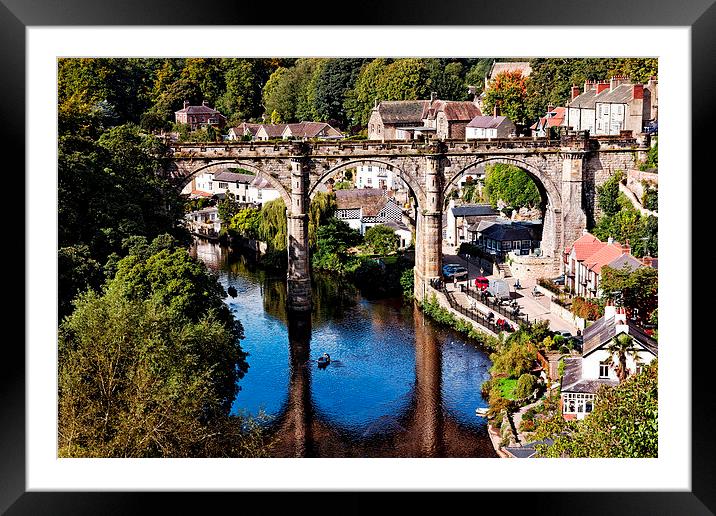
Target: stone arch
{"x":552,"y":234}
{"x":543,"y":181}
{"x":247,"y":166}
{"x":415,"y":188}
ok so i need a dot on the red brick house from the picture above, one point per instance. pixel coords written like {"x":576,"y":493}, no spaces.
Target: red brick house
{"x":197,"y":117}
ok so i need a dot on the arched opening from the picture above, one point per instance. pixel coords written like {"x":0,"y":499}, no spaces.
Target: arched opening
{"x":549,"y":209}
{"x":236,"y":166}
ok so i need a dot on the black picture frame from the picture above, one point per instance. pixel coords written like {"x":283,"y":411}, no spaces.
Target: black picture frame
{"x":16,"y":15}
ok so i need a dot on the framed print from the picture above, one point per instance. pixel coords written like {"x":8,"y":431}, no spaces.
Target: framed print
{"x":166,"y":360}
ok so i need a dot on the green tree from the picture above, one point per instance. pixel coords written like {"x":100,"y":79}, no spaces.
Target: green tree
{"x":246,"y":223}
{"x":149,"y":368}
{"x":335,"y":78}
{"x":608,"y":194}
{"x":359,"y":100}
{"x":624,"y":423}
{"x":526,"y":384}
{"x":323,"y":207}
{"x":639,"y":289}
{"x":272,"y":226}
{"x":404,"y":79}
{"x":381,"y":239}
{"x":512,"y":185}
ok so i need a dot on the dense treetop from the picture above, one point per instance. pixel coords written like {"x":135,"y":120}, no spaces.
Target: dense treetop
{"x":95,"y":93}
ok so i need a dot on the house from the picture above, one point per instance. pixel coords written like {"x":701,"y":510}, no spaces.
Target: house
{"x":405,"y":236}
{"x":459,"y":218}
{"x":374,"y":176}
{"x":585,"y":258}
{"x":410,"y":119}
{"x":200,"y":185}
{"x":490,"y":127}
{"x":306,"y":130}
{"x":243,"y":130}
{"x":498,"y":237}
{"x":246,"y":188}
{"x":608,"y":108}
{"x":584,"y":375}
{"x":270,"y":131}
{"x":197,"y":117}
{"x":389,"y":117}
{"x":204,"y":222}
{"x":364,"y":208}
{"x":553,"y":118}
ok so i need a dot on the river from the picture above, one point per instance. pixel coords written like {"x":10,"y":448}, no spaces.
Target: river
{"x":397,"y":385}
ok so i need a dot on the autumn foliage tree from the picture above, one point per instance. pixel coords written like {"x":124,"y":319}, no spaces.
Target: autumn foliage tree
{"x":508,"y":92}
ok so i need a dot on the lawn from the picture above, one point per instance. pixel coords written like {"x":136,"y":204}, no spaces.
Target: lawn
{"x":507,"y":387}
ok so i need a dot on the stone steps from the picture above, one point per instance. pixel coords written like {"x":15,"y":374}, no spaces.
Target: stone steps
{"x":504,"y":269}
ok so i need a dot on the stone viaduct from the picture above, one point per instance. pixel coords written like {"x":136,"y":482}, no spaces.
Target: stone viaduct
{"x":566,"y":171}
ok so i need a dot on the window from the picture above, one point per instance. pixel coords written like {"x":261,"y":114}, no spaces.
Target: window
{"x":603,"y":369}
{"x":223,"y":185}
{"x":259,"y":194}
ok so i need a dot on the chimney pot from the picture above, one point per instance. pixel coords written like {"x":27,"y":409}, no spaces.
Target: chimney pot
{"x":610,"y":240}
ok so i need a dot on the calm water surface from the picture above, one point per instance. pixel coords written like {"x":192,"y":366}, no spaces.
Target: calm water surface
{"x":397,"y":385}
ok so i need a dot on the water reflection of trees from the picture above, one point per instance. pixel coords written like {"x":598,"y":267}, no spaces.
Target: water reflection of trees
{"x":332,"y":297}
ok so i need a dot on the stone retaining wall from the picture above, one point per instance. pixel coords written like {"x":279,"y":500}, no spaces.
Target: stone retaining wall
{"x":531,"y":268}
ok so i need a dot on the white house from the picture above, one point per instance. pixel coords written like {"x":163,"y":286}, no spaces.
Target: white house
{"x":233,"y":183}
{"x":261,"y":191}
{"x":361,"y":209}
{"x":405,"y":236}
{"x":204,"y":222}
{"x":584,"y":375}
{"x":460,"y":218}
{"x":201,"y":185}
{"x":490,"y":127}
{"x":374,"y":176}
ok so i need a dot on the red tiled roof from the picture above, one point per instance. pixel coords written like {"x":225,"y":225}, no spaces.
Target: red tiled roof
{"x":602,"y":257}
{"x":200,"y":193}
{"x":585,"y":246}
{"x":372,"y":200}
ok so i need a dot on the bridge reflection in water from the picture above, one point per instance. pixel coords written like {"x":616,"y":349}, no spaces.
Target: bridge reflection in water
{"x":391,"y":391}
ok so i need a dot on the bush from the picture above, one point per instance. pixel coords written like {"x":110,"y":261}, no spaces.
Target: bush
{"x":549,"y":285}
{"x":585,"y":308}
{"x":526,"y":385}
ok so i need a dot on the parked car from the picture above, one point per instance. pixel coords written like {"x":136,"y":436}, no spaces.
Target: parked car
{"x":482,"y":283}
{"x":459,"y":272}
{"x":563,"y":333}
{"x":652,"y":128}
{"x":452,"y":269}
{"x":559,"y":280}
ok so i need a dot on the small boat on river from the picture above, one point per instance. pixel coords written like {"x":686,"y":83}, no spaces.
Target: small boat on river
{"x":324,"y":360}
{"x":481,"y":411}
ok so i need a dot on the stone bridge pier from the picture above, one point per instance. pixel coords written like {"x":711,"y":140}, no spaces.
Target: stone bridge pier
{"x":299,"y":275}
{"x":428,"y":231}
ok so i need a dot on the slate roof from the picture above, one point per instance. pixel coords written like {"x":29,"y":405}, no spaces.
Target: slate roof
{"x":572,"y":380}
{"x":261,"y":182}
{"x":488,"y":122}
{"x":604,"y":329}
{"x":402,"y":111}
{"x":510,"y":66}
{"x":584,"y":100}
{"x":233,"y":177}
{"x":246,"y":126}
{"x":372,"y":200}
{"x":625,"y":259}
{"x":199,"y":110}
{"x":503,"y":232}
{"x":395,"y":225}
{"x":473,"y":210}
{"x":622,"y":94}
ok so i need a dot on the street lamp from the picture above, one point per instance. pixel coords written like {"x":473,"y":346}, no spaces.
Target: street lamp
{"x":467,"y":259}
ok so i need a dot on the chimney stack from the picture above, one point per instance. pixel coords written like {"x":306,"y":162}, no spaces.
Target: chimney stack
{"x":638,"y":91}
{"x":610,"y":240}
{"x":433,"y":96}
{"x":186,"y":104}
{"x":575,"y":92}
{"x":589,"y":85}
{"x":204,"y":103}
{"x":616,"y":81}
{"x":495,"y":112}
{"x":620,"y":320}
{"x":626,"y":247}
{"x":601,"y":86}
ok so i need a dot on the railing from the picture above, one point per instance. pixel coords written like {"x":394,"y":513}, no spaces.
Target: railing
{"x":476,"y":316}
{"x":495,"y":305}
